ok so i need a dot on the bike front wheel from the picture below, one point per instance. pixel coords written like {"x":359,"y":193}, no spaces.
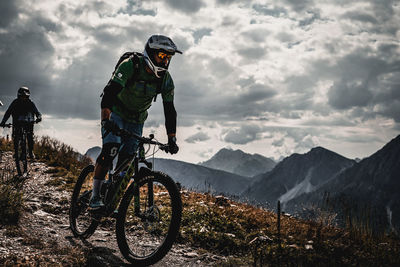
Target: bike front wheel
{"x":148,"y":219}
{"x":20,"y":157}
{"x":81,"y":221}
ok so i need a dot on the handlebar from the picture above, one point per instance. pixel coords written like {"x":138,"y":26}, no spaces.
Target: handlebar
{"x":144,"y":140}
{"x":8,"y":125}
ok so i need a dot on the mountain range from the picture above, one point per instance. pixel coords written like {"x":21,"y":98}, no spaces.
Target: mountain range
{"x":195,"y":177}
{"x":320,"y":176}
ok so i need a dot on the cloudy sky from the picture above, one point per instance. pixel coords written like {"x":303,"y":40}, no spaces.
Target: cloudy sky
{"x":263,"y":76}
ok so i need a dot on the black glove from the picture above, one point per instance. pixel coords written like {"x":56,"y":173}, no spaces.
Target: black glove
{"x":38,"y":119}
{"x":3,"y":124}
{"x":173,"y":147}
{"x":109,"y":126}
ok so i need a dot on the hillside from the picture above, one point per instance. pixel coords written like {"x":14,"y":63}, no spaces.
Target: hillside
{"x":214,"y":232}
{"x":297,"y":174}
{"x":240,"y":163}
{"x":42,"y":236}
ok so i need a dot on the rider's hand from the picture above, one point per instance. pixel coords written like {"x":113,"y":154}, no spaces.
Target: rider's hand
{"x":173,"y":147}
{"x":109,"y":125}
{"x":2,"y":124}
{"x":39,"y":119}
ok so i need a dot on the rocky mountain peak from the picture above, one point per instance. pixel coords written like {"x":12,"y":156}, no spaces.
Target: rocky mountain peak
{"x":239,"y":162}
{"x":298,"y":174}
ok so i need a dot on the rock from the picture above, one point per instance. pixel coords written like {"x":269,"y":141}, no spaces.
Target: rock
{"x":191,"y":255}
{"x":41,"y":213}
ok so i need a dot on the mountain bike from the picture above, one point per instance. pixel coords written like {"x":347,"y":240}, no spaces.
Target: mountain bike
{"x":21,"y":161}
{"x":146,"y":204}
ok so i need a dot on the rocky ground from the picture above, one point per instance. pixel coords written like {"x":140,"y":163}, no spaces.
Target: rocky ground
{"x":43,"y":237}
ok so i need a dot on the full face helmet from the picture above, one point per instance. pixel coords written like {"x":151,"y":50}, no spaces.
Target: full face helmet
{"x":163,"y":47}
{"x":24,"y":92}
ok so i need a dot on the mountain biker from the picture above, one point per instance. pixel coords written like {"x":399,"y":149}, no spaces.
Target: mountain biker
{"x":125,"y":103}
{"x":23,"y":112}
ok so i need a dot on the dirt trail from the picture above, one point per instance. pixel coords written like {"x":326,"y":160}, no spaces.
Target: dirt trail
{"x":44,"y":237}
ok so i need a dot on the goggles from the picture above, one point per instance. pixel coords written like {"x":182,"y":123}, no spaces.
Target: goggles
{"x":163,"y":55}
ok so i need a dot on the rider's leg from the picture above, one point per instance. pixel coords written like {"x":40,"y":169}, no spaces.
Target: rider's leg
{"x":29,"y":136}
{"x":111,"y":145}
{"x":103,"y":164}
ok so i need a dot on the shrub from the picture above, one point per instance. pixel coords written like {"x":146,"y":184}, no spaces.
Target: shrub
{"x":10,"y":204}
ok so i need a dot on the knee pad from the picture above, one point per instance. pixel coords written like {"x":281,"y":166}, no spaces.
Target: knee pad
{"x":107,"y":154}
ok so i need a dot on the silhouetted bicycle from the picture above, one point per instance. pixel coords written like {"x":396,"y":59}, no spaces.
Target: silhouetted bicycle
{"x":149,"y":214}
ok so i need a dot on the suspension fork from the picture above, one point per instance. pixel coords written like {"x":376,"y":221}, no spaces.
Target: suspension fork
{"x":136,"y":192}
{"x":136,"y":195}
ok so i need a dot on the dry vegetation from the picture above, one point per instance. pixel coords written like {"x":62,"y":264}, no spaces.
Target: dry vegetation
{"x":244,"y":234}
{"x":250,"y":234}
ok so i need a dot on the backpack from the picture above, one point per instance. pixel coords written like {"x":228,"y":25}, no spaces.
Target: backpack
{"x":134,"y":56}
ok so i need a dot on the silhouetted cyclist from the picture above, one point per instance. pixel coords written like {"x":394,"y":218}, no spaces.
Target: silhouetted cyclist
{"x":23,"y":112}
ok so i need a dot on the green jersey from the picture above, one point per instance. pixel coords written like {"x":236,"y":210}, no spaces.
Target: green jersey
{"x":136,"y":96}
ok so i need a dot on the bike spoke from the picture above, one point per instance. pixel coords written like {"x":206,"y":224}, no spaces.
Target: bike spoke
{"x":146,"y":231}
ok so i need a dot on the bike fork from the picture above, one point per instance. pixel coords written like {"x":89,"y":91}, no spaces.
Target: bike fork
{"x":150,"y":197}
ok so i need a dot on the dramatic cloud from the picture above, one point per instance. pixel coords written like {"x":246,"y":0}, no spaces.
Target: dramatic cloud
{"x":198,"y":137}
{"x":244,"y":135}
{"x":189,"y":6}
{"x":279,"y":76}
{"x":9,"y":12}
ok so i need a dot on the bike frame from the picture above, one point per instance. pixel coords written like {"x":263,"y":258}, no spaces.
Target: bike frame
{"x":118,"y":185}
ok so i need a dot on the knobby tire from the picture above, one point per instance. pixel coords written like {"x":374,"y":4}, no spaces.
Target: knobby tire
{"x":80,"y":204}
{"x":174,"y":199}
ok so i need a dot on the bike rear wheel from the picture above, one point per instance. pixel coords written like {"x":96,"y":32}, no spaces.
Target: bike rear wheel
{"x":145,"y":237}
{"x":81,"y":221}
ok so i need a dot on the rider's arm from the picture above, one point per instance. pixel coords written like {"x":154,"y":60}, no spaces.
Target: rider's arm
{"x":110,"y":94}
{"x":168,"y":102}
{"x":170,"y":118}
{"x":9,"y":111}
{"x":36,"y":111}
